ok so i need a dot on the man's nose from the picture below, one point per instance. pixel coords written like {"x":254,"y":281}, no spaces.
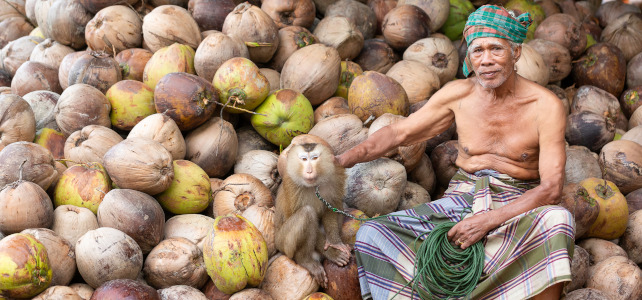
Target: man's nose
{"x":487,"y":58}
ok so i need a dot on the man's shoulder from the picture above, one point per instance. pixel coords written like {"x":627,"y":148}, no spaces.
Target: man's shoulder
{"x":455,"y":90}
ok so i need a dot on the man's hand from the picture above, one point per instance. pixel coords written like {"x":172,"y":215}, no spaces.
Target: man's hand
{"x":471,"y":230}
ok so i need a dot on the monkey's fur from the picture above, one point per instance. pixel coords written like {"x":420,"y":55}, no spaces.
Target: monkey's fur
{"x":305,"y":227}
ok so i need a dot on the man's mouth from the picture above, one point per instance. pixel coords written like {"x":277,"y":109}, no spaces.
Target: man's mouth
{"x":488,"y":73}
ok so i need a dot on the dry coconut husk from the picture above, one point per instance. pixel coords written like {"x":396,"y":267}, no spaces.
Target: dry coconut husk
{"x":17,"y":52}
{"x":140,"y":164}
{"x":419,"y":81}
{"x":50,"y":52}
{"x":622,"y":161}
{"x":169,"y":24}
{"x":178,"y":292}
{"x":602,"y":65}
{"x":381,"y":9}
{"x":213,"y":146}
{"x":342,"y":34}
{"x":404,"y":25}
{"x":66,"y":21}
{"x":114,"y":29}
{"x":39,"y":167}
{"x":175,"y":261}
{"x":81,"y":105}
{"x":413,"y":195}
{"x":291,"y":38}
{"x":34,"y":76}
{"x":625,"y":33}
{"x":331,"y":107}
{"x":609,"y":12}
{"x":13,"y":28}
{"x":193,"y":227}
{"x":273,"y":77}
{"x":17,"y":120}
{"x":95,"y":68}
{"x":424,"y":175}
{"x":587,"y":294}
{"x":90,"y":144}
{"x":285,"y":280}
{"x":210,"y":14}
{"x":581,"y":163}
{"x":83,"y":290}
{"x":531,"y":66}
{"x":564,"y":30}
{"x":43,"y":104}
{"x":249,"y":139}
{"x":161,"y":128}
{"x":125,"y":288}
{"x":62,"y":258}
{"x":631,"y":240}
{"x":261,"y":164}
{"x":636,"y":118}
{"x":313,"y":71}
{"x":25,"y":205}
{"x":437,"y":10}
{"x":250,"y":24}
{"x":376,"y":55}
{"x":579,"y":269}
{"x":409,"y":156}
{"x":634,"y":134}
{"x":443,"y":159}
{"x":634,"y":71}
{"x":598,"y":101}
{"x":71,"y":222}
{"x":58,"y":292}
{"x":341,"y":131}
{"x":262,"y":217}
{"x":588,"y":129}
{"x":373,"y":94}
{"x":358,"y":13}
{"x":556,"y":57}
{"x":630,"y":100}
{"x":618,"y":277}
{"x":599,"y":250}
{"x":65,"y":67}
{"x":239,"y":192}
{"x":290,"y":12}
{"x":437,"y":54}
{"x":375,"y":187}
{"x":132,"y":62}
{"x":216,"y":49}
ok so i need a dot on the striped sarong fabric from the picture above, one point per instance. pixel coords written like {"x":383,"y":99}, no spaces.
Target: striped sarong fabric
{"x":523,"y":257}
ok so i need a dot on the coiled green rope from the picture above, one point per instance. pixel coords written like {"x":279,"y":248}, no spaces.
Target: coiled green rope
{"x":442,"y":269}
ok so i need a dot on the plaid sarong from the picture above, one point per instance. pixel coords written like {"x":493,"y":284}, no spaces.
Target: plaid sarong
{"x":494,"y":21}
{"x":523,"y":257}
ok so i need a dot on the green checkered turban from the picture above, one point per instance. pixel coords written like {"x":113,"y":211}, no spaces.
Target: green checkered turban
{"x":494,"y":21}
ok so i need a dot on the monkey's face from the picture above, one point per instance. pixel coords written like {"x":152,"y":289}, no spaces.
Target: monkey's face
{"x":307,"y":164}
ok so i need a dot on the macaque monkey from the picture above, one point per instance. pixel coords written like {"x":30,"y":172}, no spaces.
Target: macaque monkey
{"x":305,"y":227}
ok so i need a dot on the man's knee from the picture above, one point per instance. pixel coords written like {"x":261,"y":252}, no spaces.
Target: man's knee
{"x":367,"y":232}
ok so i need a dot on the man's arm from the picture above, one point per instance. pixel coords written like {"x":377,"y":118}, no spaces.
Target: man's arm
{"x":552,"y":159}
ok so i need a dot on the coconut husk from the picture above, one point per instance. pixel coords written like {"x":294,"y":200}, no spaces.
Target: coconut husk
{"x":381,"y":9}
{"x":17,"y":52}
{"x":114,"y":29}
{"x":375,"y":187}
{"x":609,"y":12}
{"x":636,"y":118}
{"x":240,"y":191}
{"x":97,"y":69}
{"x":342,"y":34}
{"x":262,"y":165}
{"x":163,"y":129}
{"x":531,"y":66}
{"x":377,"y":56}
{"x":581,"y":163}
{"x":186,"y":98}
{"x":587,"y":294}
{"x":589,"y":129}
{"x":556,"y":57}
{"x":622,"y":161}
{"x":71,"y":222}
{"x":579,"y":270}
{"x":405,"y":25}
{"x":602,"y":65}
{"x":193,"y":227}
{"x":358,"y":13}
{"x":331,"y":107}
{"x":322,"y":67}
{"x":210,"y":14}
{"x":634,"y":71}
{"x":58,"y":292}
{"x":65,"y":66}
{"x":250,"y":24}
{"x":618,"y":277}
{"x":175,"y":261}
{"x":12,"y":7}
{"x":43,"y":104}
{"x":289,"y":13}
{"x":424,"y":175}
{"x":62,"y":257}
{"x":373,"y":94}
{"x":90,"y":144}
{"x":251,"y":293}
{"x":216,"y":49}
{"x":213,"y":146}
{"x":291,"y":38}
{"x":168,"y":24}
{"x":285,"y":280}
{"x":123,"y":288}
{"x":273,"y":77}
{"x":419,"y":81}
{"x":66,"y":22}
{"x":600,"y":102}
{"x":50,"y":52}
{"x":13,"y":28}
{"x":437,"y":10}
{"x":83,"y":290}
{"x":634,"y":200}
{"x":564,"y":30}
{"x":81,"y":105}
{"x":443,"y":159}
{"x":26,"y":205}
{"x":342,"y":131}
{"x":249,"y":139}
{"x":413,"y":195}
{"x":34,"y":76}
{"x":38,"y":168}
{"x":262,"y":217}
{"x":625,"y":33}
{"x":437,"y":54}
{"x":95,"y":6}
{"x":634,"y":134}
{"x":17,"y":121}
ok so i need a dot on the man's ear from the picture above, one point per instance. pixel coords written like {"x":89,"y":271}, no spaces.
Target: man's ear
{"x":518,"y":52}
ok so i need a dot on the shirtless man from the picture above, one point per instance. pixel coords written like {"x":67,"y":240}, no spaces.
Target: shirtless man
{"x":510,"y":130}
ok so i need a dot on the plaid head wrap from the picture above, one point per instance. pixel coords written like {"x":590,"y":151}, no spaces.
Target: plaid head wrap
{"x":494,"y":21}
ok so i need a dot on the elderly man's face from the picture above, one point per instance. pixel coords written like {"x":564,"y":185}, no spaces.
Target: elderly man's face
{"x":492,"y":60}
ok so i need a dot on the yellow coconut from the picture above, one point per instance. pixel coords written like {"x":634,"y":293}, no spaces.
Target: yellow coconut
{"x":614,"y":212}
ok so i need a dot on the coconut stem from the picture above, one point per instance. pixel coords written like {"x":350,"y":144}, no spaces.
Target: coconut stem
{"x":21,"y":167}
{"x":368,"y":120}
{"x":255,"y":44}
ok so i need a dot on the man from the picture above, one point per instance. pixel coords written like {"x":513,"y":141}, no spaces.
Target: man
{"x":511,"y":159}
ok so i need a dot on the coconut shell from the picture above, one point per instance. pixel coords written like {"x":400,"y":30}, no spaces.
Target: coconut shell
{"x":618,"y":277}
{"x":290,"y":13}
{"x":65,"y":66}
{"x":124,"y":289}
{"x":564,"y":30}
{"x":62,"y":258}
{"x":55,"y":292}
{"x":322,"y":65}
{"x":213,"y":146}
{"x":186,"y":98}
{"x":375,"y":187}
{"x":13,"y":28}
{"x":163,"y":129}
{"x":342,"y":131}
{"x":114,"y":29}
{"x":240,"y":192}
{"x":358,"y":13}
{"x":66,"y":22}
{"x":175,"y":261}
{"x":603,"y":65}
{"x":17,"y":120}
{"x":343,"y":282}
{"x":168,"y":24}
{"x":25,"y":205}
{"x":589,"y":129}
{"x":581,"y":163}
{"x":419,"y":81}
{"x":405,"y":25}
{"x":331,"y":107}
{"x":193,"y":227}
{"x":285,"y":280}
{"x":377,"y":56}
{"x":410,"y":155}
{"x":579,"y":269}
{"x":81,"y":105}
{"x":34,"y":76}
{"x":17,"y":52}
{"x":216,"y":49}
{"x":622,"y":160}
{"x":556,"y":57}
{"x":342,"y":34}
{"x":250,"y":24}
{"x":71,"y":222}
{"x":262,"y":165}
{"x":90,"y":144}
{"x":374,"y":94}
{"x":437,"y":54}
{"x":38,"y":168}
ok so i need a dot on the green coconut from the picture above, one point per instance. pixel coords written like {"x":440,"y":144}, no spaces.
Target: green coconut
{"x":174,"y":58}
{"x":190,"y":191}
{"x":457,"y":17}
{"x":83,"y":185}
{"x":349,"y":70}
{"x":131,"y":101}
{"x":24,"y":266}
{"x":536,"y":11}
{"x":282,"y":116}
{"x":373,"y":94}
{"x":239,"y":83}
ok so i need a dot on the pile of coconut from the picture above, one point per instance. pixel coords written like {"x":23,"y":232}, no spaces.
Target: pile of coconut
{"x":140,"y":140}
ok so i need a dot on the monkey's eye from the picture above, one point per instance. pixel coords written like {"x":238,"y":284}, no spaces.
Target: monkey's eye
{"x":304,"y":158}
{"x":314,"y":157}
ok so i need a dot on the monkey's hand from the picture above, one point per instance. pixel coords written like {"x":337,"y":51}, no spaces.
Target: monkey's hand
{"x":339,"y":254}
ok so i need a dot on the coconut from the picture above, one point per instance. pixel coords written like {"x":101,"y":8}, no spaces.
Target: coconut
{"x":239,"y":83}
{"x":555,"y":56}
{"x":618,"y":277}
{"x":358,"y":13}
{"x":288,"y":13}
{"x":181,"y":3}
{"x":443,"y":159}
{"x":249,"y":139}
{"x":82,"y":185}
{"x":213,"y":146}
{"x":132,"y":63}
{"x":262,"y":165}
{"x":561,"y":94}
{"x":423,"y":174}
{"x":66,"y":21}
{"x":587,"y":294}
{"x":342,"y":34}
{"x":169,"y":24}
{"x":349,"y":70}
{"x":252,"y":25}
{"x":437,"y":10}
{"x":211,"y":292}
{"x":71,"y":222}
{"x":5,"y":79}
{"x":17,"y":123}
{"x":90,"y":144}
{"x":410,"y":155}
{"x":43,"y":104}
{"x":62,"y":258}
{"x":579,"y":269}
{"x":381,"y":9}
{"x":13,"y":28}
{"x":114,"y":29}
{"x":342,"y":131}
{"x":375,"y":187}
{"x":634,"y":200}
{"x":175,"y":261}
{"x":190,"y":191}
{"x":625,"y":32}
{"x":178,"y":292}
{"x":125,"y":288}
{"x":97,"y":69}
{"x":634,"y":71}
{"x":531,"y":66}
{"x":631,"y":240}
{"x":610,"y":12}
{"x":413,"y":195}
{"x":437,"y":54}
{"x":273,"y":77}
{"x":216,"y":49}
{"x":589,"y":129}
{"x":322,"y":65}
{"x":12,"y":7}
{"x":405,"y":25}
{"x":622,"y":161}
{"x":251,"y":293}
{"x":50,"y":52}
{"x":634,"y":134}
{"x":193,"y":227}
{"x":55,"y":292}
{"x":65,"y":66}
{"x":38,"y":168}
{"x":286,"y":280}
{"x":331,"y":107}
{"x":239,"y":192}
{"x":35,"y":76}
{"x":351,"y":226}
{"x":94,"y":6}
{"x":599,"y":250}
{"x":575,"y":198}
{"x":603,"y":65}
{"x":581,"y":163}
{"x":26,"y":265}
{"x":564,"y":30}
{"x":186,"y":98}
{"x":162,"y":129}
{"x":26,"y":205}
{"x":343,"y":282}
{"x":377,"y":56}
{"x":174,"y":58}
{"x":52,"y":140}
{"x":600,"y":102}
{"x":611,"y":221}
{"x":630,"y":100}
{"x":373,"y":94}
{"x":131,"y":101}
{"x":83,"y":290}
{"x":636,"y":118}
{"x":106,"y":254}
{"x":418,"y":80}
{"x":262,"y":217}
{"x":210,"y":14}
{"x":17,"y":52}
{"x":81,"y":105}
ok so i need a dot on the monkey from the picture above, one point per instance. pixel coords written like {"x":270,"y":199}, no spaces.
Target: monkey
{"x":305,"y":227}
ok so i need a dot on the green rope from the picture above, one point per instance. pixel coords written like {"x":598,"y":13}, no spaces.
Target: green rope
{"x":442,"y":269}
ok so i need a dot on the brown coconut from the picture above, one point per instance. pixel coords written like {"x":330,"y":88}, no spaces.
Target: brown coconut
{"x":630,"y":100}
{"x":405,"y":25}
{"x":341,"y":131}
{"x":579,"y":269}
{"x":5,"y":79}
{"x":163,"y":129}
{"x":618,"y":277}
{"x":90,"y":144}
{"x":62,"y":258}
{"x":95,"y":68}
{"x":561,"y":94}
{"x":343,"y":282}
{"x":175,"y":261}
{"x":409,"y":156}
{"x":124,"y":289}
{"x":43,"y":104}
{"x":413,"y":195}
{"x":285,"y":280}
{"x":564,"y":30}
{"x":17,"y":121}
{"x":66,"y":21}
{"x":437,"y":10}
{"x":41,"y":12}
{"x":261,"y":164}
{"x":443,"y":137}
{"x":114,"y":29}
{"x":81,"y":105}
{"x":375,"y":187}
{"x":17,"y":52}
{"x":273,"y":77}
{"x":636,"y":118}
{"x":210,"y":14}
{"x":437,"y":54}
{"x":423,"y":174}
{"x":290,"y":12}
{"x":331,"y":107}
{"x":194,"y":227}
{"x":94,"y":6}
{"x":419,"y":81}
{"x":599,"y":250}
{"x":625,"y":32}
{"x":602,"y":65}
{"x":13,"y":27}
{"x":291,"y":38}
{"x":376,"y":55}
{"x":213,"y":146}
{"x":531,"y":66}
{"x":586,"y":128}
{"x":216,"y":49}
{"x":322,"y":65}
{"x":34,"y":76}
{"x":443,"y":159}
{"x":250,"y":24}
{"x":71,"y":222}
{"x":50,"y":52}
{"x":576,"y":199}
{"x":634,"y":71}
{"x":168,"y":24}
{"x":631,"y":240}
{"x":374,"y":94}
{"x":178,"y":292}
{"x":58,"y":292}
{"x":132,"y":63}
{"x":598,"y":101}
{"x":556,"y":57}
{"x":342,"y":34}
{"x":581,"y":163}
{"x":622,"y":161}
{"x":106,"y":254}
{"x":83,"y":290}
{"x":634,"y":134}
{"x":249,"y":139}
{"x":634,"y":200}
{"x":38,"y":168}
{"x":239,"y":192}
{"x":65,"y":66}
{"x":262,"y":217}
{"x":186,"y":98}
{"x":25,"y":205}
{"x":609,"y":12}
{"x":358,"y":13}
{"x":587,"y":294}
{"x":251,"y":294}
{"x":381,"y":9}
